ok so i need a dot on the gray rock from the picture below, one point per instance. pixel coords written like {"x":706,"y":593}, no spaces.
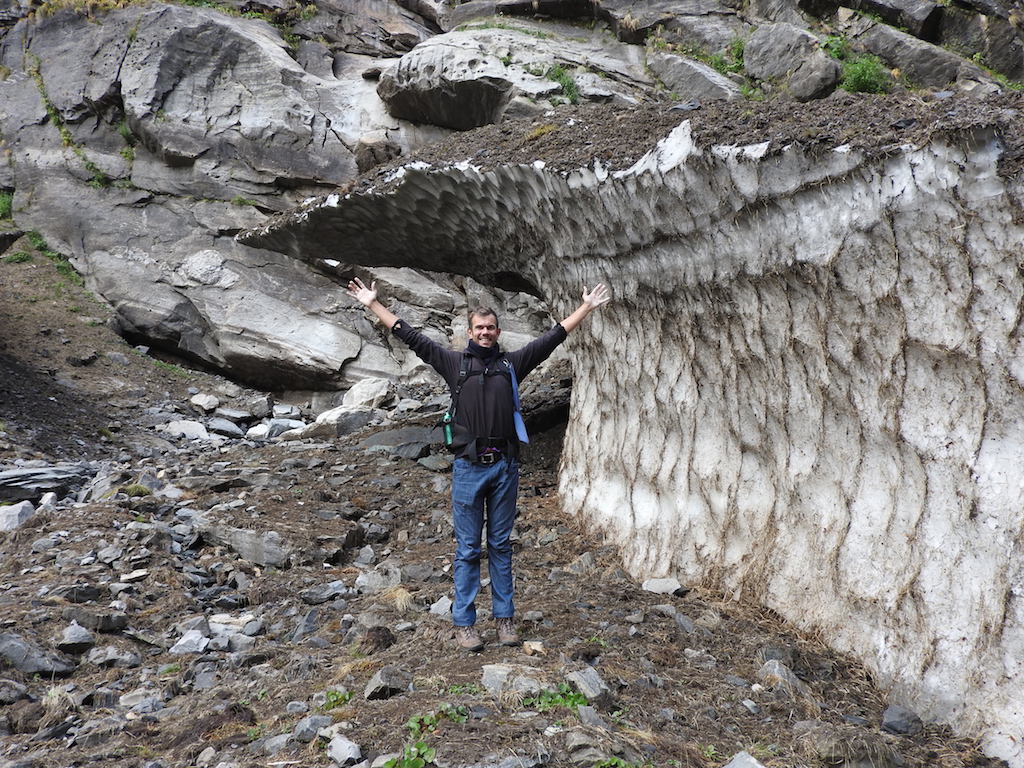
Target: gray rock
{"x":436,"y":462}
{"x":692,"y":80}
{"x":192,"y":641}
{"x":781,"y":679}
{"x":589,"y":717}
{"x":79,"y":593}
{"x":111,"y":656}
{"x":287,"y":411}
{"x":277,"y":427}
{"x":323,"y":592}
{"x":275,"y":744}
{"x":26,"y":483}
{"x":13,"y":515}
{"x":192,"y":430}
{"x":902,"y":721}
{"x":261,"y":548}
{"x":682,"y":621}
{"x":744,"y":760}
{"x":98,"y":620}
{"x":12,"y":691}
{"x":75,"y":639}
{"x":923,"y":63}
{"x":306,"y":729}
{"x":343,"y":751}
{"x":387,"y":682}
{"x":921,"y":18}
{"x":792,"y":56}
{"x":205,"y":402}
{"x":29,"y":658}
{"x":235,"y":415}
{"x":588,"y":682}
{"x":407,"y":442}
{"x":442,"y":606}
{"x":307,"y":624}
{"x":384,"y":576}
{"x":224,"y":427}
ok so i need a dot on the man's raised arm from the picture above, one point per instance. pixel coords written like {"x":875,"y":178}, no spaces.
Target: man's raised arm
{"x":368,"y":298}
{"x":591,"y":301}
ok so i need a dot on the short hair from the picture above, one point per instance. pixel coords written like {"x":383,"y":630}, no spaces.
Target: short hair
{"x":482,"y":312}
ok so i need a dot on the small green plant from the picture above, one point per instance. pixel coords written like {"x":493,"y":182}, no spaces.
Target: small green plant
{"x":334,"y":699}
{"x":134,"y":490}
{"x":836,"y":46}
{"x":710,"y":752}
{"x":239,"y":200}
{"x":18,"y":257}
{"x":171,"y":368}
{"x":736,"y":49}
{"x":3,"y":426}
{"x":465,"y":689}
{"x":570,"y":90}
{"x":598,"y":640}
{"x":254,"y":732}
{"x":308,"y":12}
{"x":128,"y":153}
{"x":564,"y":697}
{"x":751,"y":92}
{"x":503,"y":25}
{"x":414,"y":755}
{"x":169,"y":669}
{"x":6,"y":204}
{"x":865,"y":74}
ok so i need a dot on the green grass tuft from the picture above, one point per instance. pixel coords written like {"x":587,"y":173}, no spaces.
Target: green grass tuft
{"x":6,"y":204}
{"x":18,"y":257}
{"x":865,"y":74}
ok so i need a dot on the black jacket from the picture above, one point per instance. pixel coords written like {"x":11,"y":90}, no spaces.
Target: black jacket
{"x":485,"y":402}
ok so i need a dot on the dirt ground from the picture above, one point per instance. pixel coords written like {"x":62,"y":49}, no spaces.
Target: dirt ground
{"x":71,"y":388}
{"x":576,"y":135}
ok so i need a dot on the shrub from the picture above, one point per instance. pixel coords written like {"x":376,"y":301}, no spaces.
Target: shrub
{"x":6,"y":204}
{"x":18,"y":257}
{"x":836,"y":46}
{"x":865,"y":74}
{"x":570,"y":90}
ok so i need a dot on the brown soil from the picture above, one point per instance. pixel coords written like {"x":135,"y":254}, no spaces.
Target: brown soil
{"x":54,"y":407}
{"x":573,"y":137}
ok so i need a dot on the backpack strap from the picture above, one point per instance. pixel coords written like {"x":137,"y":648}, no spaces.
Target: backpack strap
{"x":517,"y":415}
{"x":449,"y":416}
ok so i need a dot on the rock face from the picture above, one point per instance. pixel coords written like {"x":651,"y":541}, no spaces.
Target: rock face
{"x":827,"y":417}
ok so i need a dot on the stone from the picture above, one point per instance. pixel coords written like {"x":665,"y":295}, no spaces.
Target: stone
{"x":590,"y":717}
{"x":29,"y":658}
{"x":792,"y":56}
{"x":926,"y":64}
{"x":666,"y":586}
{"x":436,"y":462}
{"x":407,"y":442}
{"x":191,"y":430}
{"x":12,"y":691}
{"x":225,"y":427}
{"x":921,"y":18}
{"x":323,"y":593}
{"x":259,"y":547}
{"x":781,"y":679}
{"x":901,"y":721}
{"x":692,"y":80}
{"x":112,"y":656}
{"x":442,"y":607}
{"x":343,"y":751}
{"x":13,"y":515}
{"x":192,"y":641}
{"x":744,"y":759}
{"x":368,"y":393}
{"x":205,"y":402}
{"x":75,"y":639}
{"x":96,"y":619}
{"x":387,"y":682}
{"x":306,"y":729}
{"x":79,"y":593}
{"x":588,"y":682}
{"x":27,"y":483}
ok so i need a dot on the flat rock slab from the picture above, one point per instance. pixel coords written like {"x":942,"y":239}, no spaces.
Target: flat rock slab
{"x":26,"y":483}
{"x":29,"y":658}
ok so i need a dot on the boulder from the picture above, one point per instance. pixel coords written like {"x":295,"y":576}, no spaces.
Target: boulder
{"x":13,"y":515}
{"x":469,"y":78}
{"x":688,"y":79}
{"x":791,"y":56}
{"x":26,"y":483}
{"x":921,"y":62}
{"x":921,"y":18}
{"x":30,"y":659}
{"x":368,"y":393}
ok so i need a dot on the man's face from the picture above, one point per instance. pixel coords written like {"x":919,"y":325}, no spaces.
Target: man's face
{"x":484,"y":330}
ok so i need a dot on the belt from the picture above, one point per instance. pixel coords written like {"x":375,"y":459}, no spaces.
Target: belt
{"x":489,"y":456}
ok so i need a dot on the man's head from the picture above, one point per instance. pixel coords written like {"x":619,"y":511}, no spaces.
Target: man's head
{"x":483,"y":326}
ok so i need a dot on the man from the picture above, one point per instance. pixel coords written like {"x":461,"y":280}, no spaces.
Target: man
{"x":485,"y":477}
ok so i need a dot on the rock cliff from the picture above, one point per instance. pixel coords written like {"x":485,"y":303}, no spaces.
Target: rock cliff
{"x":807,"y":390}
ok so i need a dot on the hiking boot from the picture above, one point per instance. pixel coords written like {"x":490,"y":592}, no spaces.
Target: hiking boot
{"x":507,"y":634}
{"x":468,"y":639}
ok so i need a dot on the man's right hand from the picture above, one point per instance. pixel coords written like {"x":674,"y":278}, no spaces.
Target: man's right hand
{"x":362,"y":294}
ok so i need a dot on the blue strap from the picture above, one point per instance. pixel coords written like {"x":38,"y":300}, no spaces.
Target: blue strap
{"x":517,"y":416}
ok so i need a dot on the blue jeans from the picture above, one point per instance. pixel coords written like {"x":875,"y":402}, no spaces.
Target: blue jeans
{"x":480,"y":493}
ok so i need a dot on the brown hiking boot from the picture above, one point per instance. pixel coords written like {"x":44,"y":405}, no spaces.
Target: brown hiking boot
{"x":468,"y":639}
{"x":507,"y":634}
